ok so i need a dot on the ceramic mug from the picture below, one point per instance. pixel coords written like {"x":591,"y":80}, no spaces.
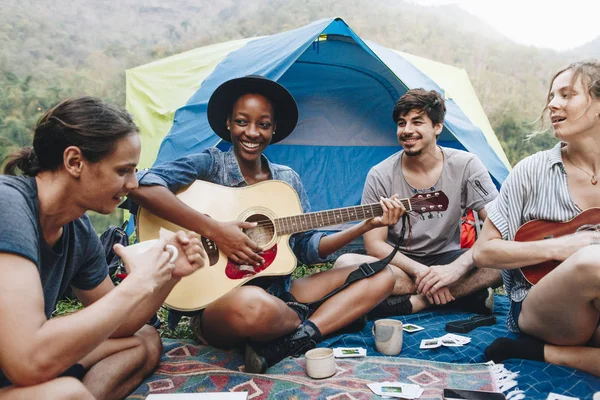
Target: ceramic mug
{"x":320,"y":363}
{"x":142,"y":247}
{"x":388,"y":336}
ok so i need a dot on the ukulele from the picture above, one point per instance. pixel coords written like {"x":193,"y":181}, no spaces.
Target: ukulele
{"x":588,"y":220}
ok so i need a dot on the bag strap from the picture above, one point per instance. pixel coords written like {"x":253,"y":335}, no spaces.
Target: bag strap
{"x":364,"y":270}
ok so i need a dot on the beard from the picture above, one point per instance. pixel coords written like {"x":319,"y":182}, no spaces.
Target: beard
{"x":413,"y":153}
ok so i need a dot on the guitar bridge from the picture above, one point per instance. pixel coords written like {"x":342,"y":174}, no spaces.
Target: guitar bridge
{"x":211,"y":250}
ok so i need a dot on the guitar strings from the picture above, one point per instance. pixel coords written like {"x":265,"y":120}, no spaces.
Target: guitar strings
{"x":269,"y":225}
{"x":266,"y":222}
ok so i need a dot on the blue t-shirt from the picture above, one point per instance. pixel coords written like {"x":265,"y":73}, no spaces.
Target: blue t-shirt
{"x":76,"y":259}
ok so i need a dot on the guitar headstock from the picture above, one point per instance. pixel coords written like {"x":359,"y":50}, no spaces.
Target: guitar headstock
{"x":429,"y":202}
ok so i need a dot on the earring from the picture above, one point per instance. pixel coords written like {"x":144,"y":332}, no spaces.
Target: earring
{"x":273,"y":133}
{"x":228,"y":128}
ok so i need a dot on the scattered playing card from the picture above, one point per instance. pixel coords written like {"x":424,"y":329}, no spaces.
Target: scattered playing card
{"x":396,"y":389}
{"x":449,"y":342}
{"x":430,"y":343}
{"x":344,"y":352}
{"x":412,"y":328}
{"x":457,"y":338}
{"x":554,"y":396}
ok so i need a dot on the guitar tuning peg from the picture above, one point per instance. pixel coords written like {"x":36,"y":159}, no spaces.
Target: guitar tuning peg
{"x":430,"y":216}
{"x":422,"y":217}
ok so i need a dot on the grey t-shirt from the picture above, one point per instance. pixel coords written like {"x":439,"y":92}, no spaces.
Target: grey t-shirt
{"x":77,"y":258}
{"x":464,"y":180}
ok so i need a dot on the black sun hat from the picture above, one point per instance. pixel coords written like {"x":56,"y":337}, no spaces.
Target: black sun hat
{"x":224,"y":97}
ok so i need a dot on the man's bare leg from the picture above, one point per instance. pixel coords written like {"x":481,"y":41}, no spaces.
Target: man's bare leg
{"x":118,"y":366}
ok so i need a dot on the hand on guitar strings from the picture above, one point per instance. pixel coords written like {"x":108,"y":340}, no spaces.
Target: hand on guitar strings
{"x":565,"y":246}
{"x":235,"y":244}
{"x":393,"y":210}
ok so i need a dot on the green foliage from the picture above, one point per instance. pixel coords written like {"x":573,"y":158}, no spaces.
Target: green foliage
{"x":66,"y":306}
{"x":305,"y":270}
{"x":517,"y":140}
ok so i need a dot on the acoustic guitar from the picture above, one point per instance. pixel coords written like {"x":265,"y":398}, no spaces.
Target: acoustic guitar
{"x":275,"y":206}
{"x":588,"y":220}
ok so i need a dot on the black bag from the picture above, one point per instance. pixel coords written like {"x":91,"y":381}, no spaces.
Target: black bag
{"x":110,"y":237}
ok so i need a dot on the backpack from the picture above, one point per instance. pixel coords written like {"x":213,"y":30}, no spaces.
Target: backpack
{"x":468,"y":229}
{"x":110,"y":237}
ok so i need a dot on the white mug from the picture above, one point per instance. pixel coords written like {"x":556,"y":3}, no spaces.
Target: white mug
{"x":320,"y":363}
{"x":142,"y":247}
{"x":388,"y":336}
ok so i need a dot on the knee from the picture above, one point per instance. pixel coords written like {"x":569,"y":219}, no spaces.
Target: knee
{"x":151,"y":347}
{"x":585,"y":264}
{"x":385,"y":280}
{"x":254,"y":307}
{"x":68,"y":388}
{"x":348,"y":259}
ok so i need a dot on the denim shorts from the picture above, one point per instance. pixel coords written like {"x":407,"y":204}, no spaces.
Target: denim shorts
{"x":516,"y":311}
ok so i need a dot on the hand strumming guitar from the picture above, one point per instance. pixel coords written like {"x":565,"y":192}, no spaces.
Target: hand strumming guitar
{"x":232,"y":241}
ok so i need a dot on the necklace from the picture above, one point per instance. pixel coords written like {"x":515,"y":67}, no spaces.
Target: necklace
{"x":593,"y":179}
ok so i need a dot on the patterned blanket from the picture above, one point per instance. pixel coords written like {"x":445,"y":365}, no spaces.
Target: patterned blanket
{"x":189,"y":368}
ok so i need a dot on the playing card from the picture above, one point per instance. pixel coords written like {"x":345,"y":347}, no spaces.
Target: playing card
{"x":412,"y":328}
{"x":396,"y":389}
{"x":554,"y":396}
{"x":449,"y":342}
{"x":430,"y":343}
{"x":345,"y":352}
{"x":457,"y":338}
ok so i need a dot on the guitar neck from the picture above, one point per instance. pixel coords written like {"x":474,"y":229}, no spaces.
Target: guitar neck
{"x":320,"y":219}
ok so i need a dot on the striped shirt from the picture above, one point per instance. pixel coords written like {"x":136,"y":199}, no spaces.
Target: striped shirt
{"x":535,"y":189}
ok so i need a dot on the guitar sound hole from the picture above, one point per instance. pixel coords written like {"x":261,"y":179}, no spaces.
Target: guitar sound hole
{"x":263,"y":232}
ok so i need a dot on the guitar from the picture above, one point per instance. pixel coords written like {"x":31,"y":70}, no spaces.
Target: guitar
{"x":275,"y":206}
{"x":541,"y":229}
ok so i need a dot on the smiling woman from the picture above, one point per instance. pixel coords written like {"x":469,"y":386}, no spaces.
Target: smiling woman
{"x":270,"y":313}
{"x":83,"y":158}
{"x":562,"y":309}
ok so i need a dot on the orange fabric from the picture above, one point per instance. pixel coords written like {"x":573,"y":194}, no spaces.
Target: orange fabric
{"x":468,"y":233}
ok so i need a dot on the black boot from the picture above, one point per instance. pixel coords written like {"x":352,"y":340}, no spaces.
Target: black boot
{"x":262,"y":355}
{"x":480,"y":302}
{"x":392,"y":306}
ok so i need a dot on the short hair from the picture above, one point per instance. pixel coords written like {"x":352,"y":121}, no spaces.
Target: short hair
{"x":431,"y":102}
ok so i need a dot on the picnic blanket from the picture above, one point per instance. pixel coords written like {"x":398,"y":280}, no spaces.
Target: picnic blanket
{"x":191,"y":368}
{"x":187,"y":367}
{"x":535,"y":379}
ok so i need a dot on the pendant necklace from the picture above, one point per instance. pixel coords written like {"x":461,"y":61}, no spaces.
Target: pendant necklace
{"x":593,"y":179}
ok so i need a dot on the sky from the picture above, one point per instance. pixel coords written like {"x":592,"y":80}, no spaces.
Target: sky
{"x":559,"y":25}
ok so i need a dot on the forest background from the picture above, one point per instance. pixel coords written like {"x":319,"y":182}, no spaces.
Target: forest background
{"x":54,"y":49}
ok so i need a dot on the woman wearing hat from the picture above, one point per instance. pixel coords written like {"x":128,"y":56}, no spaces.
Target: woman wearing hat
{"x":268,"y":313}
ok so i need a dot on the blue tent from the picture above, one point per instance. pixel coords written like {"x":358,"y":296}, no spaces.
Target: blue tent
{"x":345,"y":87}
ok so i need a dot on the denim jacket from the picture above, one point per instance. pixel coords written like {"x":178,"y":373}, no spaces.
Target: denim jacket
{"x":216,"y":166}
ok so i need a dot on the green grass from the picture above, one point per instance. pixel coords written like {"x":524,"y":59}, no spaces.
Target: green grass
{"x":183,"y":330}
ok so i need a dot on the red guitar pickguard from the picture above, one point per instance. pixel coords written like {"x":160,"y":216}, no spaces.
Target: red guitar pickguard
{"x":235,"y":271}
